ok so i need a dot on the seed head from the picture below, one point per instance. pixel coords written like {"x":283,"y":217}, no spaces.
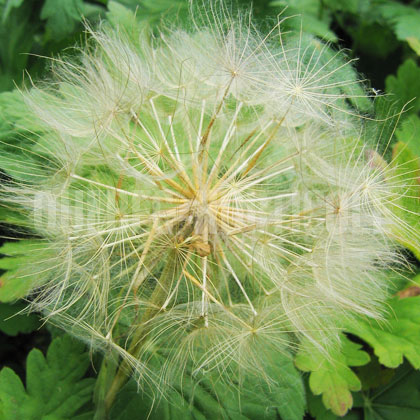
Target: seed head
{"x":206,"y":193}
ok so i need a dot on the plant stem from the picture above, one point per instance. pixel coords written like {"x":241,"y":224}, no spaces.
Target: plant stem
{"x":157,"y":299}
{"x":106,"y":375}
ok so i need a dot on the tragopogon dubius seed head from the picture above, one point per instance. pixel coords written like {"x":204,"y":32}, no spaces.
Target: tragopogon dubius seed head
{"x":205,"y":192}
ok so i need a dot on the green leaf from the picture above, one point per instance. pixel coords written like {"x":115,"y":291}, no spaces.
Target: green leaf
{"x":17,"y":38}
{"x":405,"y":21}
{"x":120,"y":17}
{"x":309,"y":20}
{"x":11,"y":217}
{"x":349,"y":6}
{"x":373,"y":40}
{"x":12,"y":394}
{"x":396,"y":338}
{"x":317,"y":27}
{"x":289,"y":394}
{"x":161,"y":7}
{"x":405,"y":177}
{"x":380,"y":132}
{"x":398,"y":399}
{"x":125,"y":13}
{"x":13,"y":161}
{"x":414,"y":43}
{"x":17,"y":137}
{"x":18,"y":281}
{"x":205,"y":398}
{"x":406,"y":85}
{"x":55,"y":388}
{"x":331,"y":375}
{"x":13,"y":323}
{"x":8,"y":5}
{"x":20,"y":135}
{"x":62,"y":16}
{"x":14,"y":114}
{"x":317,"y":409}
{"x":409,"y":133}
{"x":374,"y":374}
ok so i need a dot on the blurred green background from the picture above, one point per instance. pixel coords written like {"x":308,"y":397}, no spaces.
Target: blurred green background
{"x":382,"y":33}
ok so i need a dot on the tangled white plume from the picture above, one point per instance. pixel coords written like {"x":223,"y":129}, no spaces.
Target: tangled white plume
{"x":205,"y":192}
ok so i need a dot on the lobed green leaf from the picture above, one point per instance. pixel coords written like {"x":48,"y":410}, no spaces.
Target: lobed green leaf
{"x":55,"y":388}
{"x":397,"y":337}
{"x":211,"y":398}
{"x":330,"y":374}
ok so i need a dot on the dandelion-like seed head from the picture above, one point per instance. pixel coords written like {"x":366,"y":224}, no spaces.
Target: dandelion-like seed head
{"x":204,"y":195}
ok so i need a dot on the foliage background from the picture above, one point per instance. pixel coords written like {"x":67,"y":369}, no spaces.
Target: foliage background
{"x":377,"y":363}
